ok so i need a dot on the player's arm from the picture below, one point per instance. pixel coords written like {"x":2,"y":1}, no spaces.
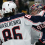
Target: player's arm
{"x":32,"y":20}
{"x":29,"y":20}
{"x":35,"y":19}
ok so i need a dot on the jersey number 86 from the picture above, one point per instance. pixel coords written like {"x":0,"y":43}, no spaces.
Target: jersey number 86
{"x":15,"y":35}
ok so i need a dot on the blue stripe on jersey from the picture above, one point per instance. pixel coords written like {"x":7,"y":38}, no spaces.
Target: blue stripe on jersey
{"x":43,"y":37}
{"x":36,"y":19}
{"x":12,"y":17}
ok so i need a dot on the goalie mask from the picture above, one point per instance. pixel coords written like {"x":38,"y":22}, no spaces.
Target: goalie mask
{"x":37,"y":7}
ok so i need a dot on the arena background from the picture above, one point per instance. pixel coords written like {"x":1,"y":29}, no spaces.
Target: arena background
{"x":1,"y":1}
{"x":30,"y":2}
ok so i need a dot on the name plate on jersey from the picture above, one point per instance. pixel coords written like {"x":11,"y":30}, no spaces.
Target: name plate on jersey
{"x":10,"y":23}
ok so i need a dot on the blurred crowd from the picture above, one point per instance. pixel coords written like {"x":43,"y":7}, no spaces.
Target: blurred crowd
{"x":24,"y":6}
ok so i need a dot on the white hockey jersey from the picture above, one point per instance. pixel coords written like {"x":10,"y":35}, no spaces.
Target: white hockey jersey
{"x":35,"y":35}
{"x":38,"y":24}
{"x":13,"y":31}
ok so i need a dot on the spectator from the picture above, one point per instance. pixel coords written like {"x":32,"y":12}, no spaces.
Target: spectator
{"x":20,"y":6}
{"x":27,"y":6}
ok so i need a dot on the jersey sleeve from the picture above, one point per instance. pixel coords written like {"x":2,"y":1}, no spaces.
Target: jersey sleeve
{"x":29,"y":19}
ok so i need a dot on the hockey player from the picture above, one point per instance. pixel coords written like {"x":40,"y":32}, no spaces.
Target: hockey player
{"x":14,"y":29}
{"x":42,"y":38}
{"x":35,"y":9}
{"x":40,"y":26}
